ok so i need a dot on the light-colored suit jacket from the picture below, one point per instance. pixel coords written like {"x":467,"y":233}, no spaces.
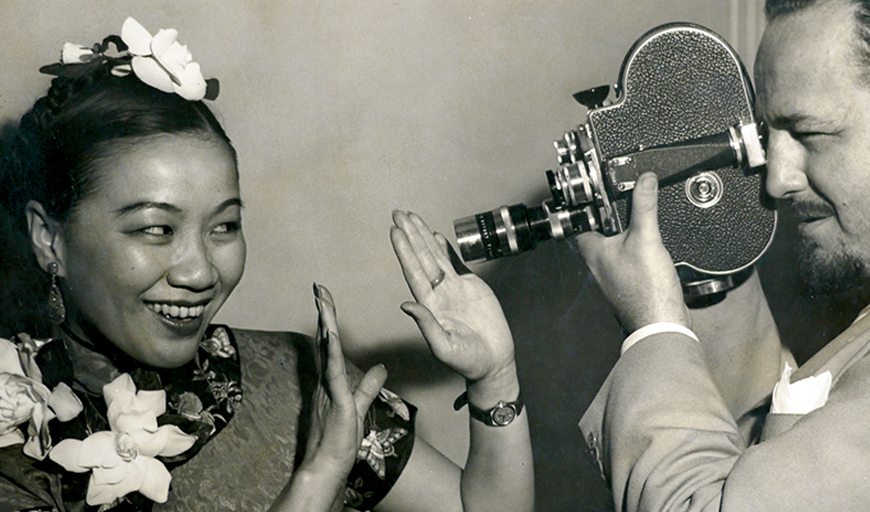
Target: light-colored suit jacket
{"x":665,"y":440}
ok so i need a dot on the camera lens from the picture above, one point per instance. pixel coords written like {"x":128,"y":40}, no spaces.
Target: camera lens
{"x":505,"y":231}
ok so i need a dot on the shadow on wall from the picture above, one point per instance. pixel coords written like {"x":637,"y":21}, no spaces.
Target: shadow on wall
{"x":567,"y":339}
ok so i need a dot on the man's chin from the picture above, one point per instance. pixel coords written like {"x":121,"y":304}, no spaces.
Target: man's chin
{"x":833,"y":275}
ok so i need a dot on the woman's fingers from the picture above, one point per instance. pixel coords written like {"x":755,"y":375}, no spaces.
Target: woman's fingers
{"x":415,"y":276}
{"x":430,"y":327}
{"x":437,"y":251}
{"x":368,"y":389}
{"x":336,"y":373}
{"x":420,"y":244}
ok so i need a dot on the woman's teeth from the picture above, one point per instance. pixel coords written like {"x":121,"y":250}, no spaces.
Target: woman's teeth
{"x":177,"y":311}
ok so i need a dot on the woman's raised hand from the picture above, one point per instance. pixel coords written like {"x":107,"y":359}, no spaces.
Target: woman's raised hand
{"x":455,"y":310}
{"x":338,"y":413}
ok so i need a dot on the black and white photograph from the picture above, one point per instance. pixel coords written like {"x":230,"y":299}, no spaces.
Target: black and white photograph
{"x":430,"y":256}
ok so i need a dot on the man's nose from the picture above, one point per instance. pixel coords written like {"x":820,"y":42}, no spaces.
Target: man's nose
{"x":786,"y":165}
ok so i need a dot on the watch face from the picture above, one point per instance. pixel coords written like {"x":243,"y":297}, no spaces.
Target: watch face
{"x":503,"y":415}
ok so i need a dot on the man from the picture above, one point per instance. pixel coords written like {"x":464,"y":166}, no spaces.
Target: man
{"x":665,"y":424}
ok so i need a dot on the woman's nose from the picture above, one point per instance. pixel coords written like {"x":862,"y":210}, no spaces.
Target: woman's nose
{"x":786,"y":165}
{"x":193,"y":267}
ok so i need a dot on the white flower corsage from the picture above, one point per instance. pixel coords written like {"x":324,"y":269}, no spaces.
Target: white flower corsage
{"x":123,"y":460}
{"x":25,"y":399}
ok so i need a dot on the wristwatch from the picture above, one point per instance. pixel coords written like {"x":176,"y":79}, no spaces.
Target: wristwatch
{"x":499,"y":416}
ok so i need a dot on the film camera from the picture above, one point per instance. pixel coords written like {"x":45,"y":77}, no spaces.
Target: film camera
{"x":683,"y":110}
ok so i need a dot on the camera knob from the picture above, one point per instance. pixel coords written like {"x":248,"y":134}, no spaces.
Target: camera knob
{"x":704,"y":190}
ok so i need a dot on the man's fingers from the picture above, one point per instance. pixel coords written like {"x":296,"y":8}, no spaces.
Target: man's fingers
{"x":644,"y":208}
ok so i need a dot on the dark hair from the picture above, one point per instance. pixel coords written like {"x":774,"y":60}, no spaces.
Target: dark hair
{"x":50,"y":156}
{"x":774,"y":9}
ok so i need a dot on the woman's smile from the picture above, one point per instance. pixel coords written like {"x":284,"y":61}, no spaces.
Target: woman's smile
{"x":152,"y":257}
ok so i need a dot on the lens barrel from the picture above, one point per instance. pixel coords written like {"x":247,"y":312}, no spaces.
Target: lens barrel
{"x":505,"y":231}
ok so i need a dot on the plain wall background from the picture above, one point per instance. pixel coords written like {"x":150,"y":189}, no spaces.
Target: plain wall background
{"x":343,"y":111}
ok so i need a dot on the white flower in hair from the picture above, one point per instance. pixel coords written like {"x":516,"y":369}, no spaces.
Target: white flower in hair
{"x":162,"y":62}
{"x":76,"y":54}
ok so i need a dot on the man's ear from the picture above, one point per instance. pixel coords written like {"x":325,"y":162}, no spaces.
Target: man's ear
{"x":46,"y":237}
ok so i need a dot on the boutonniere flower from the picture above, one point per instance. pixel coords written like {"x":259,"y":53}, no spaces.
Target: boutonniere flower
{"x":162,"y":62}
{"x":800,"y":397}
{"x":123,"y":460}
{"x":25,"y":399}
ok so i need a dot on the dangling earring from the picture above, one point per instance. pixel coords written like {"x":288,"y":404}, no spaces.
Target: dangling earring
{"x":56,"y":308}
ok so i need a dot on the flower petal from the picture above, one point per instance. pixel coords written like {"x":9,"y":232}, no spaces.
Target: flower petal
{"x":152,"y":401}
{"x":155,"y":485}
{"x":75,"y":54}
{"x":150,"y":72}
{"x":123,"y":471}
{"x":193,"y":85}
{"x":120,"y":388}
{"x":9,"y":362}
{"x":163,"y":41}
{"x":98,"y":450}
{"x":14,"y":436}
{"x":65,"y":404}
{"x":137,"y":37}
{"x":106,"y":486}
{"x":66,"y":453}
{"x":169,"y":441}
{"x":122,"y":70}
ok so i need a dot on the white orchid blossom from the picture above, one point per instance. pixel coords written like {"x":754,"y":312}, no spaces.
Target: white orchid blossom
{"x":25,"y":399}
{"x":162,"y":62}
{"x":72,"y":53}
{"x":123,"y":460}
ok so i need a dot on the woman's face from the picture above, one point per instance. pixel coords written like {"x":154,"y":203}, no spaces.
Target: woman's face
{"x":153,"y":252}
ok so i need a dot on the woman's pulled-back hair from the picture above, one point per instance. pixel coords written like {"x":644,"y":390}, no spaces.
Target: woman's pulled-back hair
{"x":51,"y":158}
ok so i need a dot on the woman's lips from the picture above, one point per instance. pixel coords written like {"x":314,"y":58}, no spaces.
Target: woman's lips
{"x":176,"y":312}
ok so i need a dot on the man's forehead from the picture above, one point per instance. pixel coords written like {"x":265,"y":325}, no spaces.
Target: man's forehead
{"x":806,"y":55}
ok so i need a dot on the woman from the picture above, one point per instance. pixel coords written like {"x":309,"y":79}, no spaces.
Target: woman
{"x":127,"y":188}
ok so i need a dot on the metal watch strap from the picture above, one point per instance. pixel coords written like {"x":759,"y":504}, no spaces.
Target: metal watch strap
{"x":502,"y":415}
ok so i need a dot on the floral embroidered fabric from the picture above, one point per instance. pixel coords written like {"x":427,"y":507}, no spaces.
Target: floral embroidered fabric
{"x":201,"y":399}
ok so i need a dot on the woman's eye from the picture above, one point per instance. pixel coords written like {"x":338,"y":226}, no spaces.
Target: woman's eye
{"x":227,"y":227}
{"x":157,"y":230}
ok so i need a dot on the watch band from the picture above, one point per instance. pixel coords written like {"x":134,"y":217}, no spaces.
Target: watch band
{"x":502,"y":415}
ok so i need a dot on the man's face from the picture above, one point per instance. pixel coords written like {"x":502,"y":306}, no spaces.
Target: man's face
{"x":817,"y":106}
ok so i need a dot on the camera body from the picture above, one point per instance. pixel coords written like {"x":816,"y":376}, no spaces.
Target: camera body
{"x":684,"y":109}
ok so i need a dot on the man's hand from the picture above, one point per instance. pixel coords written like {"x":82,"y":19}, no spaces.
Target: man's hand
{"x":633,"y":268}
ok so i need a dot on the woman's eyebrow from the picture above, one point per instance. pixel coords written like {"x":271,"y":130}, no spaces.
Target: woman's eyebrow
{"x":171,"y":208}
{"x":233,"y":201}
{"x":144,"y":205}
